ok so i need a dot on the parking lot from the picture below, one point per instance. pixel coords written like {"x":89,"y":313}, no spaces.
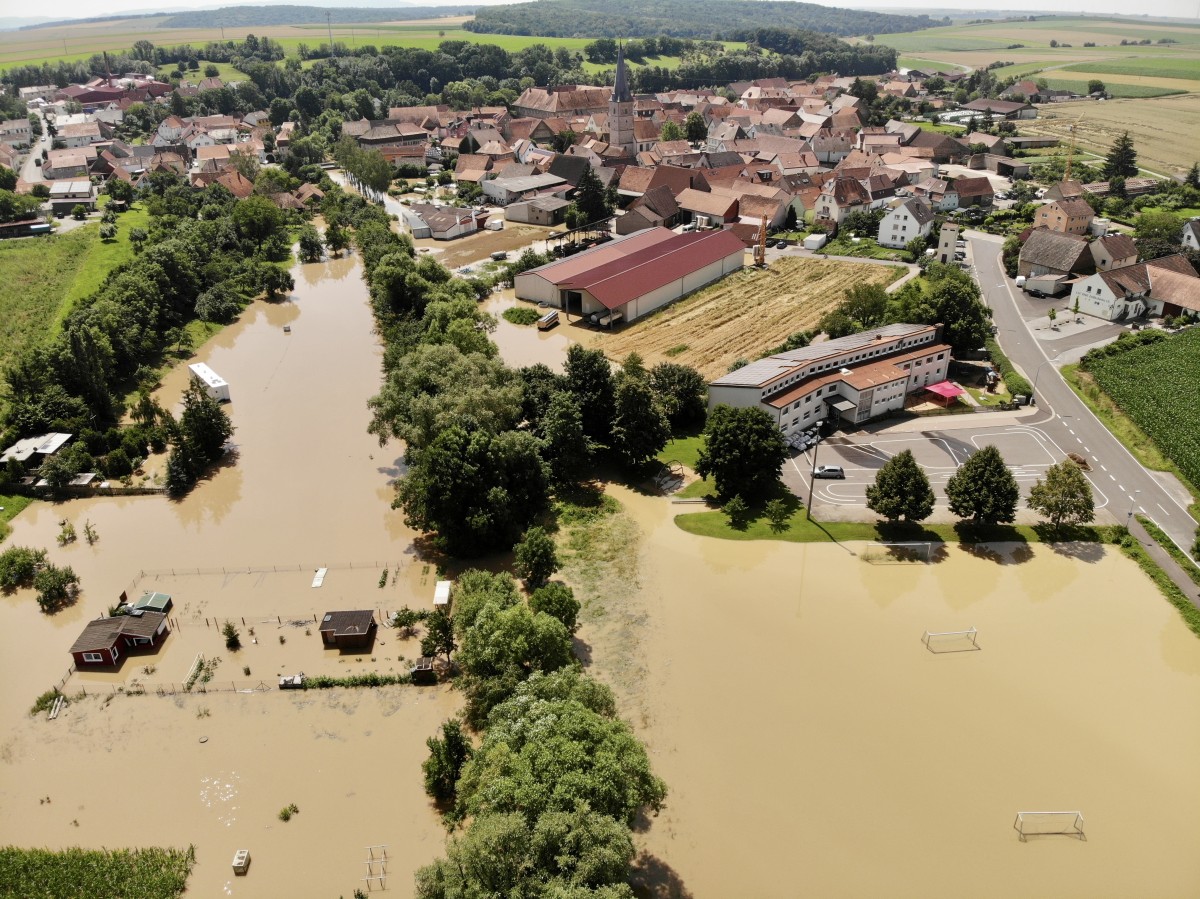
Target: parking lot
{"x":1027,"y":450}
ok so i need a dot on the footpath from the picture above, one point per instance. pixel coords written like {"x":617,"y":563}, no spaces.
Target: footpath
{"x":1164,"y":561}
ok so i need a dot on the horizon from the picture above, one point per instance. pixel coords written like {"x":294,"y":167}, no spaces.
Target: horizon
{"x":73,"y":10}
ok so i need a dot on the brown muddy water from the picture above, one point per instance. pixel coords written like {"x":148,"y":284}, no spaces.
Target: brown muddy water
{"x":811,"y":744}
{"x":310,"y":488}
{"x":824,"y":751}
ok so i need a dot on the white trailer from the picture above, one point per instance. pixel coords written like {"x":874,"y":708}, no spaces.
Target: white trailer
{"x":815,"y":241}
{"x":441,"y":596}
{"x":214,"y":385}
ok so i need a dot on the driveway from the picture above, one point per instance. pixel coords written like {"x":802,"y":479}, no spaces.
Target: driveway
{"x":1062,"y":416}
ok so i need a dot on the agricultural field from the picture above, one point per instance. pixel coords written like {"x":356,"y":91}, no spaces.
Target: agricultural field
{"x":1153,"y":67}
{"x":1136,"y":381}
{"x":742,"y":316}
{"x":1163,"y":129}
{"x":150,"y":873}
{"x":1075,"y":81}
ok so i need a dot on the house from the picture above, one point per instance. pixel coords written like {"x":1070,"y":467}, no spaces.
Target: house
{"x":1002,"y":109}
{"x":904,"y":220}
{"x":1073,"y":216}
{"x":508,"y":190}
{"x":841,"y":196}
{"x":348,"y":630}
{"x":947,"y":243}
{"x":708,"y":209}
{"x":16,"y":132}
{"x":1114,"y":251}
{"x":564,"y":100}
{"x":154,"y":602}
{"x":1165,"y":286}
{"x":1048,"y":252}
{"x":1191,"y":235}
{"x":974,"y":192}
{"x":940,"y":193}
{"x":658,"y":206}
{"x":106,"y":641}
{"x":633,"y":275}
{"x":33,"y":451}
{"x":425,"y":220}
{"x":850,"y":379}
{"x":548,"y":211}
{"x":81,"y":135}
{"x":66,"y":195}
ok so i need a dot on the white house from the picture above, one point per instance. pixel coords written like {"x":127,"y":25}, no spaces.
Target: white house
{"x":1191,"y":234}
{"x":1166,"y":286}
{"x":904,"y":220}
{"x":16,"y":132}
{"x":851,"y":379}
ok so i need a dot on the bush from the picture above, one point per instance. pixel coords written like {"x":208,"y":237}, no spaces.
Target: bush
{"x":520,"y":315}
{"x":1013,"y":380}
{"x":19,"y":565}
{"x":233,"y":640}
{"x":558,"y":601}
{"x":55,"y":586}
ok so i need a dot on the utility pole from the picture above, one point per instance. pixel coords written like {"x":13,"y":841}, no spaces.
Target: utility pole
{"x":812,"y":479}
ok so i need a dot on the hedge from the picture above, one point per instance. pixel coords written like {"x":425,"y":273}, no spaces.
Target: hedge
{"x":1013,"y":380}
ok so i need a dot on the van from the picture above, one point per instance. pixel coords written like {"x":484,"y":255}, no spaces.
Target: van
{"x":1020,"y":281}
{"x":548,"y":321}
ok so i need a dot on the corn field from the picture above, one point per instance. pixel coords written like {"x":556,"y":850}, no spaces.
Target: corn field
{"x":1155,"y":385}
{"x":128,"y":873}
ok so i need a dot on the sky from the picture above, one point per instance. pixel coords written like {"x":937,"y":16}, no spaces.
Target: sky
{"x":65,"y":9}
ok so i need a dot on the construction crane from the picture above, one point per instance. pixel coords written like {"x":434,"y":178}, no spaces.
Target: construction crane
{"x":760,"y":246}
{"x":1071,"y":150}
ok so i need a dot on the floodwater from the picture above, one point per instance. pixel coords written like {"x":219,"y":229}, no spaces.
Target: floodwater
{"x":826,"y":752}
{"x":309,"y":488}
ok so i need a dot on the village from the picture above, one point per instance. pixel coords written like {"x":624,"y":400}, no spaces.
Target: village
{"x":291,"y":632}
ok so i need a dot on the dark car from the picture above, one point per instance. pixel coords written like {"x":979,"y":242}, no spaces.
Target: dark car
{"x":1034,"y":292}
{"x":829,"y":471}
{"x":781,"y":245}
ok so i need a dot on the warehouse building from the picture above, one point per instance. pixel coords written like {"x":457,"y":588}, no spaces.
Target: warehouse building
{"x":848,"y":380}
{"x":631,"y":276}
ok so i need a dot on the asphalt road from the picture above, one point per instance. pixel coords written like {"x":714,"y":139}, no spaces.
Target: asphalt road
{"x":33,"y":173}
{"x":1063,"y":417}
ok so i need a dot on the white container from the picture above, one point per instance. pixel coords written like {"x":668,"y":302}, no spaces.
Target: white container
{"x":214,"y":385}
{"x":815,"y":241}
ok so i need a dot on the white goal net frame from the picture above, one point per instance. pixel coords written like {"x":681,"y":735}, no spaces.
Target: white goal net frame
{"x":952,"y":641}
{"x":878,"y":553}
{"x":1046,"y":824}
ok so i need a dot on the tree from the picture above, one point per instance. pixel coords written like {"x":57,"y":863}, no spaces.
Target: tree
{"x":8,"y":179}
{"x":743,"y":451}
{"x":901,"y":490}
{"x":1192,"y":179}
{"x":276,"y":281}
{"x":1064,"y":497}
{"x":983,"y":489}
{"x":18,"y":565}
{"x":79,"y":212}
{"x":590,"y":381}
{"x":1157,"y":224}
{"x":558,"y":601}
{"x":336,"y":239}
{"x":108,"y":231}
{"x":439,"y":635}
{"x":696,"y":130}
{"x":566,"y":448}
{"x":203,"y":425}
{"x":220,"y":303}
{"x":405,"y":620}
{"x":233,"y":639}
{"x":1121,"y":160}
{"x":534,"y":558}
{"x":55,"y":586}
{"x":447,"y":756}
{"x":671,"y":132}
{"x":591,"y":199}
{"x":137,"y":237}
{"x":1095,"y":86}
{"x":737,"y":512}
{"x":310,"y":246}
{"x":679,"y":391}
{"x":640,"y":430}
{"x":956,"y":304}
{"x":1052,"y":315}
{"x":257,"y":219}
{"x":777,"y":515}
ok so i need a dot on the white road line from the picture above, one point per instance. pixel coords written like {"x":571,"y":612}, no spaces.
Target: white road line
{"x":1069,"y":431}
{"x":1080,"y":441}
{"x":1165,"y":512}
{"x":1113,"y":476}
{"x":1104,"y":467}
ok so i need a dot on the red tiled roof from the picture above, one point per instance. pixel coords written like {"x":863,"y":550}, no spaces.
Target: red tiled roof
{"x":616,"y":283}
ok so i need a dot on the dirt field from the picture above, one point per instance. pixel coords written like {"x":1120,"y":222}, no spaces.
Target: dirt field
{"x":1163,"y":129}
{"x":742,"y":316}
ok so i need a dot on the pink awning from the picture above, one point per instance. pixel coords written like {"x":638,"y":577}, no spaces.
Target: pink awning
{"x":945,"y":389}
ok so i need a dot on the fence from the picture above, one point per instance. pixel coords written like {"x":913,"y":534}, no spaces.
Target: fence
{"x":263,"y":569}
{"x":383,"y":617}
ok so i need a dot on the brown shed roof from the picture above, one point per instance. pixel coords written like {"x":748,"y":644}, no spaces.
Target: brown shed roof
{"x":349,"y":623}
{"x":102,"y":633}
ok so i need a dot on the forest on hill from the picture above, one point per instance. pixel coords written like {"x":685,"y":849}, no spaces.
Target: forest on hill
{"x":712,"y":19}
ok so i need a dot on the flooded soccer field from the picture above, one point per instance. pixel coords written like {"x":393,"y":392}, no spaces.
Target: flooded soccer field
{"x":811,"y":743}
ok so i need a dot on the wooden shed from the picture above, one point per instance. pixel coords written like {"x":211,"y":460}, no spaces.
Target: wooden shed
{"x":105,"y":640}
{"x":348,"y":630}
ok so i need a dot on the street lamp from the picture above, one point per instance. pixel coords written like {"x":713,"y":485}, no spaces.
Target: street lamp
{"x":1132,"y":503}
{"x":812,"y":477}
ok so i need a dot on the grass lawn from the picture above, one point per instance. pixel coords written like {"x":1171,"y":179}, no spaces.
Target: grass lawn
{"x":1168,"y":588}
{"x":1114,"y":88}
{"x":941,"y":128}
{"x":866,"y":248}
{"x":1160,"y":537}
{"x":225,"y":71}
{"x":38,"y":271}
{"x":685,"y":449}
{"x":11,"y":505}
{"x":102,"y":257}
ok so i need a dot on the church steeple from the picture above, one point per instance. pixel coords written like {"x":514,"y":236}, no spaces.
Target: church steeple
{"x":621,"y":92}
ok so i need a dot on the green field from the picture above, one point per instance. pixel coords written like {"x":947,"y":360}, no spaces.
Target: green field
{"x":1157,"y":67}
{"x":225,"y":71}
{"x":1114,"y":88}
{"x":38,"y":271}
{"x":102,"y":257}
{"x":1153,"y":386}
{"x":144,"y":873}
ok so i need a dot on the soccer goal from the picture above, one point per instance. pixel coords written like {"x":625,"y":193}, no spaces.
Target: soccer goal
{"x":1045,"y":824}
{"x":897,"y":553}
{"x":951,"y":641}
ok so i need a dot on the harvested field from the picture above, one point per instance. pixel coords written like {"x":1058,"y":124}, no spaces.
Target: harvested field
{"x":1163,"y":129}
{"x":744,"y":315}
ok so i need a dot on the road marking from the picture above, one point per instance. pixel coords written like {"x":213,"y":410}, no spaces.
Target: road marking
{"x":1080,"y":441}
{"x":1165,"y":512}
{"x":1086,"y":450}
{"x":1104,"y":467}
{"x":1113,"y":476}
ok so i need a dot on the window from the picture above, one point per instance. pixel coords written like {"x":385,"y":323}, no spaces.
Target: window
{"x":93,"y":657}
{"x":808,"y":399}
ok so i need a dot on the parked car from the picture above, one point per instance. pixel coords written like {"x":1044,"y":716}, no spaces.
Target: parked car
{"x":1034,"y":292}
{"x":829,"y":471}
{"x":781,"y":245}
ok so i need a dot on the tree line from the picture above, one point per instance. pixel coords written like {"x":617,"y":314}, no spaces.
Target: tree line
{"x":713,"y":19}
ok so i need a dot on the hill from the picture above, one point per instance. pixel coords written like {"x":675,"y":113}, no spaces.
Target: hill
{"x":260,"y":16}
{"x":680,"y":18}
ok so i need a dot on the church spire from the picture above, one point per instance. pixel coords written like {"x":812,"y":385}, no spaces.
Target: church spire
{"x":620,"y":92}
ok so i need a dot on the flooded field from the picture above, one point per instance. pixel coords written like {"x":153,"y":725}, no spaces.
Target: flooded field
{"x":829,"y":753}
{"x":308,"y":488}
